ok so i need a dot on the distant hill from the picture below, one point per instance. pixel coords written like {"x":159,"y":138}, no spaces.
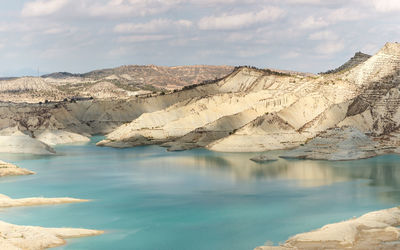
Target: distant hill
{"x":151,"y":75}
{"x":121,"y":82}
{"x":60,"y":75}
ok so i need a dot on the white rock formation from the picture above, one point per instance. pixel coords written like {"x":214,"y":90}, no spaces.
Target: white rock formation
{"x":344,"y":143}
{"x":375,"y":230}
{"x":54,"y":137}
{"x":6,"y":201}
{"x":24,"y":144}
{"x":290,"y":109}
{"x":8,"y":169}
{"x":13,"y":237}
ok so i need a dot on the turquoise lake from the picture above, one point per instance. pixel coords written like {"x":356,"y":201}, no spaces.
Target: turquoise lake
{"x":147,"y":198}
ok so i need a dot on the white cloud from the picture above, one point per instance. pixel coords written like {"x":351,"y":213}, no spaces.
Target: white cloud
{"x":143,"y":38}
{"x":386,"y":5}
{"x":238,"y":21}
{"x":330,"y":47}
{"x":152,"y":26}
{"x":323,"y":35}
{"x":312,"y":22}
{"x":291,"y":55}
{"x":119,"y":8}
{"x":42,"y":7}
{"x":346,"y":14}
{"x":332,"y":17}
{"x":239,"y":37}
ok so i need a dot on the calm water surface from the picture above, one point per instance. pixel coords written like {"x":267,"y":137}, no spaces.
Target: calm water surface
{"x":146,"y":198}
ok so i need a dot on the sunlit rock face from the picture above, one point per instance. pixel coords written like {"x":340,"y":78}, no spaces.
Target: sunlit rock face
{"x":259,"y":110}
{"x":375,"y":230}
{"x":250,"y":110}
{"x":344,"y":143}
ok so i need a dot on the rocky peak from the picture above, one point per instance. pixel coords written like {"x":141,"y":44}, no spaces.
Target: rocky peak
{"x":391,"y":48}
{"x":357,"y":59}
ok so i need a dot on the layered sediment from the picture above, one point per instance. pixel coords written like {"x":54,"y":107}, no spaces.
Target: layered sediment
{"x":344,"y":143}
{"x":255,"y":110}
{"x":250,"y":110}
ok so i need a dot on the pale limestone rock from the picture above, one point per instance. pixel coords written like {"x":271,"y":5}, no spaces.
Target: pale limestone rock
{"x":54,"y":137}
{"x":6,"y":201}
{"x":375,"y":230}
{"x":13,"y":237}
{"x":24,"y":144}
{"x":296,"y":109}
{"x":8,"y":169}
{"x":213,"y":131}
{"x":344,"y":143}
{"x":182,"y":118}
{"x":269,"y":132}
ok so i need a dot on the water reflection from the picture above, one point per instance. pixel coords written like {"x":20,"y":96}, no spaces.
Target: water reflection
{"x":381,"y":171}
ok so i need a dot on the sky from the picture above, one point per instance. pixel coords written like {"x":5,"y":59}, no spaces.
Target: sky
{"x":43,"y":36}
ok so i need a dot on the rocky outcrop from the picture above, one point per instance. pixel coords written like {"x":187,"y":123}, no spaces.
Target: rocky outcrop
{"x":55,"y":137}
{"x":246,"y":93}
{"x":255,"y":110}
{"x":6,"y":201}
{"x":24,"y":144}
{"x":250,"y":110}
{"x":375,"y":230}
{"x":213,"y":131}
{"x":13,"y":237}
{"x":357,"y":59}
{"x":8,"y":169}
{"x":336,"y":144}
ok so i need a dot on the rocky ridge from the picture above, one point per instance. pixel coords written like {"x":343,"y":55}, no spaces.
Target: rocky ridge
{"x":118,"y":83}
{"x":357,"y":59}
{"x":259,"y":110}
{"x":250,"y":110}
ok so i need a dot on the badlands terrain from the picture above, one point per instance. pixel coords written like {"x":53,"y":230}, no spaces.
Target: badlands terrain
{"x":249,"y":110}
{"x":253,"y":110}
{"x":348,"y":113}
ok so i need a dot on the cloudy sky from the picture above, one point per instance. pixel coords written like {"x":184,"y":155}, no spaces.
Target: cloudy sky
{"x":78,"y":36}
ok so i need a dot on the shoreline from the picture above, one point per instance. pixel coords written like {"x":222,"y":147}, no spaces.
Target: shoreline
{"x":374,"y":230}
{"x":15,"y":237}
{"x":8,"y":169}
